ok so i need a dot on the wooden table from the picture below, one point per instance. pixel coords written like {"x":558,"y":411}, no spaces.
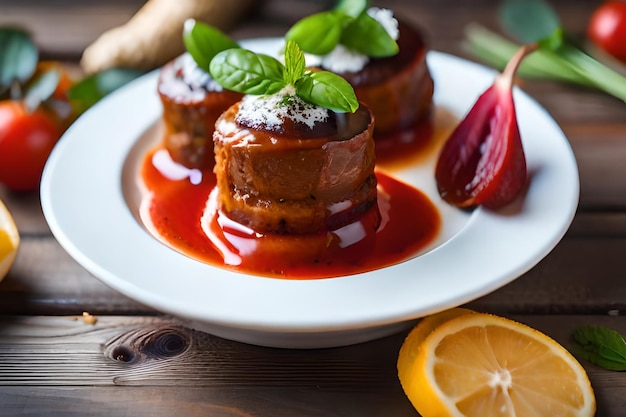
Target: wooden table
{"x":136,"y":362}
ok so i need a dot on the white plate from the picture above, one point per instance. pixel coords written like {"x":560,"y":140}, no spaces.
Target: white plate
{"x":84,"y":203}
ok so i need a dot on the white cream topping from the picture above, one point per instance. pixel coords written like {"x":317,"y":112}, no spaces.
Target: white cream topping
{"x":386,"y":19}
{"x":341,"y":59}
{"x":269,"y":111}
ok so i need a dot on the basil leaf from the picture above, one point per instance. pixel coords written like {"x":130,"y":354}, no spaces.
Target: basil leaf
{"x":203,"y":42}
{"x":367,"y":36}
{"x":91,"y":89}
{"x":18,"y":57}
{"x":41,"y":88}
{"x":329,"y":90}
{"x":245,"y":72}
{"x":529,"y":20}
{"x":319,"y":33}
{"x":602,"y":346}
{"x":294,"y":63}
{"x":352,"y":8}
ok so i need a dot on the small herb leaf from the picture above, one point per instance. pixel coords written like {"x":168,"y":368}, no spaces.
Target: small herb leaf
{"x":319,"y":33}
{"x":367,"y":36}
{"x":329,"y":90}
{"x":602,"y":346}
{"x":91,"y":89}
{"x":294,"y":63}
{"x":203,"y":42}
{"x":351,"y":8}
{"x":18,"y":57}
{"x":41,"y":88}
{"x":529,"y":20}
{"x":245,"y":72}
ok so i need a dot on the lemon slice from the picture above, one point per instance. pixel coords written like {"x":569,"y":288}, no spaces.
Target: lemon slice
{"x":9,"y":240}
{"x":480,"y":365}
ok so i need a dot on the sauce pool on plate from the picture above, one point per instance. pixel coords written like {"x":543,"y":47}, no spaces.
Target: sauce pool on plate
{"x":179,"y":213}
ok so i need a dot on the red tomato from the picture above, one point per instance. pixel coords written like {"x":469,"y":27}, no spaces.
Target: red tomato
{"x":607,"y":28}
{"x":26,"y":140}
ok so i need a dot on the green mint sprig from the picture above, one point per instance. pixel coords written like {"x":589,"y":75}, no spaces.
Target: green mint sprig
{"x":602,"y":346}
{"x":347,"y":24}
{"x":203,"y":42}
{"x":557,"y":58}
{"x":248,"y":72}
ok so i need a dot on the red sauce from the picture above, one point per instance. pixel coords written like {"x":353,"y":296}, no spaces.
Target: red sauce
{"x":174,"y":210}
{"x":402,"y":146}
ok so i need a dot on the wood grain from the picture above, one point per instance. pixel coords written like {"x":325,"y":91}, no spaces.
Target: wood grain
{"x":204,"y":373}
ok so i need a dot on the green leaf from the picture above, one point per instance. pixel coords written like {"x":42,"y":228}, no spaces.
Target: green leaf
{"x":565,"y":64}
{"x":329,"y":90}
{"x":602,"y":346}
{"x":554,"y":41}
{"x":203,"y":42}
{"x":248,"y":73}
{"x":41,"y":88}
{"x":294,"y":63}
{"x":529,"y":20}
{"x":367,"y":36}
{"x":352,"y":8}
{"x":18,"y":57}
{"x":91,"y":89}
{"x":319,"y":33}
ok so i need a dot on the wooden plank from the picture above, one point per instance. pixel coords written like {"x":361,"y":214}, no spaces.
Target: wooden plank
{"x":600,"y":151}
{"x":165,"y":366}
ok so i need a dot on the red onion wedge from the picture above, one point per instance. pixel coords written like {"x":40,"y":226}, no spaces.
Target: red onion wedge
{"x":483,"y":161}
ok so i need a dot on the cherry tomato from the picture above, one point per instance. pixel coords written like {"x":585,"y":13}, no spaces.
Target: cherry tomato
{"x":26,"y":140}
{"x":607,"y":28}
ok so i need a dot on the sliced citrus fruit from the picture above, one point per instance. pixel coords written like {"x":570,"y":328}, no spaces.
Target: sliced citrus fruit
{"x":480,"y":365}
{"x":9,"y":240}
{"x":410,"y":347}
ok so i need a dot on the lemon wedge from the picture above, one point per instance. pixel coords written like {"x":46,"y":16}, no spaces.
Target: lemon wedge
{"x":466,"y":364}
{"x":9,"y":240}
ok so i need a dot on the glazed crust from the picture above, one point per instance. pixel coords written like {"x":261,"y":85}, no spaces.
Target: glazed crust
{"x":278,"y":183}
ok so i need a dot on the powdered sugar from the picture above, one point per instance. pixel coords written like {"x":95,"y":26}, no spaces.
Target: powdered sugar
{"x":269,"y":111}
{"x":194,"y":76}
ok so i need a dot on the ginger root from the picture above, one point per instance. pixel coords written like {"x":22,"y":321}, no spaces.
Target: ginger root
{"x":153,"y":36}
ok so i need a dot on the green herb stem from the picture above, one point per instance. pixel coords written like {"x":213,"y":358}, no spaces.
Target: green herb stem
{"x":566,"y":63}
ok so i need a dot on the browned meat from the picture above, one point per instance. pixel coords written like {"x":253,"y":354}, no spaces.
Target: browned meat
{"x":189,"y":114}
{"x":296,"y":180}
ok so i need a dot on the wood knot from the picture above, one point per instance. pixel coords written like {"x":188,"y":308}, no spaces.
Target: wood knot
{"x":148,"y":344}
